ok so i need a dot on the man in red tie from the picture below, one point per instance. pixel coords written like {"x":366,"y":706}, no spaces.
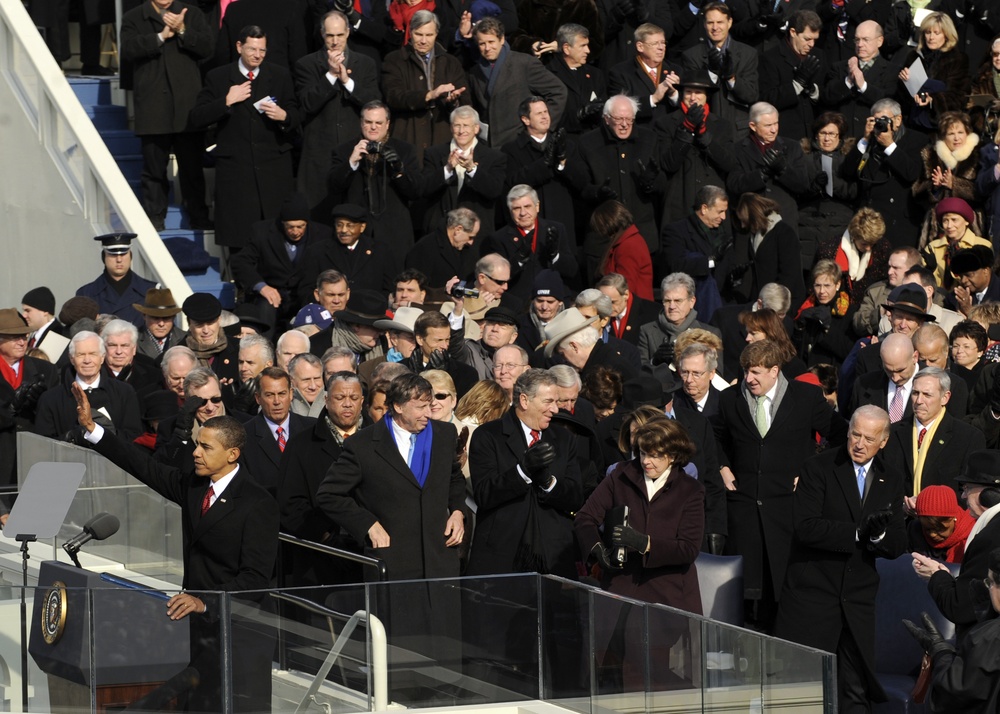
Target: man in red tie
{"x":229,"y":546}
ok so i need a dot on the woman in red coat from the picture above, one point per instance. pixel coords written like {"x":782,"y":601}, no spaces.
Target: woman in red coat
{"x":652,"y":556}
{"x":627,"y":253}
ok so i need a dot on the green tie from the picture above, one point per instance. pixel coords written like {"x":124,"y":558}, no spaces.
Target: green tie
{"x":760,"y":414}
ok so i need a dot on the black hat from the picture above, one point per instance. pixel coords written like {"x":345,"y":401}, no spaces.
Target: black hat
{"x":295,"y":208}
{"x":975,"y":258}
{"x":364,"y":307}
{"x":40,"y":299}
{"x":202,"y":307}
{"x":698,"y":79}
{"x":351,"y":212}
{"x":642,"y":390}
{"x":909,"y":298}
{"x":116,"y":243}
{"x":252,"y":315}
{"x":667,"y":379}
{"x":982,"y":467}
{"x":548,"y":283}
{"x":501,"y":314}
{"x":159,"y":405}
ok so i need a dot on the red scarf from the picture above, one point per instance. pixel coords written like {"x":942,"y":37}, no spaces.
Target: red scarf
{"x":762,"y":145}
{"x":534,"y":236}
{"x":838,"y":307}
{"x":955,"y":543}
{"x":7,"y":372}
{"x":620,"y":329}
{"x":402,"y":12}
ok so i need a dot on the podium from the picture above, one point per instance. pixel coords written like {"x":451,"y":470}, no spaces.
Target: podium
{"x":137,"y":646}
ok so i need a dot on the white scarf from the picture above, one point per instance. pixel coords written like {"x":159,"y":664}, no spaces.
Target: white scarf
{"x":758,"y":238}
{"x":950,"y":158}
{"x":857,"y":264}
{"x":981,"y":522}
{"x":459,"y":169}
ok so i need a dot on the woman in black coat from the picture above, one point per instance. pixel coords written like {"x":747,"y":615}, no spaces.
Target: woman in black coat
{"x":765,"y":250}
{"x":947,"y":68}
{"x":823,"y":322}
{"x":822,"y":216}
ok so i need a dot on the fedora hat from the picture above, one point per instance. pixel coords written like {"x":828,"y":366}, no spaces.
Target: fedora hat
{"x":159,"y":303}
{"x":364,"y":307}
{"x":698,"y":79}
{"x":911,"y":299}
{"x":982,"y":467}
{"x":11,"y":323}
{"x":402,"y":321}
{"x":563,"y":325}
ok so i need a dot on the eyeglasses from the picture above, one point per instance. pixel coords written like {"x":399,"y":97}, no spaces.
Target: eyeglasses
{"x":685,"y":373}
{"x":495,"y":280}
{"x":507,"y":366}
{"x":441,"y":396}
{"x":627,"y":121}
{"x":830,"y":134}
{"x":214,"y":400}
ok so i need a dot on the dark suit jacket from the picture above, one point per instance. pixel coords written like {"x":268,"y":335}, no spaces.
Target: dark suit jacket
{"x":434,"y":256}
{"x":265,"y":260}
{"x":777,"y":66}
{"x":261,"y":453}
{"x":56,"y":413}
{"x":831,"y":574}
{"x":505,"y":500}
{"x":748,"y":175}
{"x":946,"y":454}
{"x":118,"y":304}
{"x":706,"y":459}
{"x":524,"y":265}
{"x":480,"y":192}
{"x":371,"y":265}
{"x":992,"y":295}
{"x":630,"y":79}
{"x":371,"y":483}
{"x":732,"y":105}
{"x":855,"y":105}
{"x":711,"y":406}
{"x":584,"y":85}
{"x":330,"y":116}
{"x":641,"y":312}
{"x":873,"y":388}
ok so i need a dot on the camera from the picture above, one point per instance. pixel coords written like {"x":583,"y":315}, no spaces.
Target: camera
{"x":459,"y":290}
{"x":882,"y":125}
{"x":374,"y":147}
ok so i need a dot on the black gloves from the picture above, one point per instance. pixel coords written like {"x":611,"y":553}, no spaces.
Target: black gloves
{"x":623,"y":10}
{"x":928,"y":636}
{"x":537,"y":460}
{"x":438,"y":360}
{"x":818,"y":314}
{"x":820,"y":181}
{"x":392,"y":160}
{"x":548,"y":247}
{"x":185,"y":418}
{"x":599,"y":194}
{"x":720,"y":62}
{"x":243,"y":400}
{"x":559,"y":146}
{"x":716,"y":543}
{"x":664,"y":353}
{"x":347,"y":7}
{"x":645,"y":173}
{"x":588,"y":111}
{"x":727,"y":70}
{"x":807,"y":71}
{"x":774,"y":161}
{"x":694,"y":119}
{"x":629,"y":537}
{"x":875,"y":524}
{"x":26,"y":396}
{"x":549,"y":152}
{"x":603,"y":558}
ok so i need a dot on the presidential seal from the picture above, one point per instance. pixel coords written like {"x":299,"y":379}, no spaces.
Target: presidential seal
{"x":54,"y":612}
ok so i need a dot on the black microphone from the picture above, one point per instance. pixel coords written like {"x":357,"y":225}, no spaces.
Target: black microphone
{"x":101,"y":526}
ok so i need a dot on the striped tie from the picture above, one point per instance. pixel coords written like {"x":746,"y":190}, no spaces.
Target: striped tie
{"x":281,"y":438}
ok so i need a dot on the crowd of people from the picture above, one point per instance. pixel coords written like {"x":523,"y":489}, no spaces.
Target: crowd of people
{"x":582,"y":289}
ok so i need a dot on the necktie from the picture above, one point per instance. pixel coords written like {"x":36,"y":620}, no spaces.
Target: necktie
{"x":653,"y":74}
{"x":207,"y":501}
{"x":413,"y":446}
{"x":31,"y":343}
{"x":920,"y":437}
{"x":760,"y":414}
{"x":896,"y":407}
{"x":535,"y":436}
{"x":250,"y":75}
{"x":861,"y":481}
{"x":281,"y":438}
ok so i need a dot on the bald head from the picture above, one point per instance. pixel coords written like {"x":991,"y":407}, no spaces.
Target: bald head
{"x":899,"y":359}
{"x":867,"y":40}
{"x":931,"y":343}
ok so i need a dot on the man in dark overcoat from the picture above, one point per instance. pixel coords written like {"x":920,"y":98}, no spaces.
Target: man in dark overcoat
{"x":792,"y":73}
{"x":165,"y":40}
{"x":117,"y":288}
{"x":281,"y":21}
{"x":848,"y":512}
{"x":256,"y":113}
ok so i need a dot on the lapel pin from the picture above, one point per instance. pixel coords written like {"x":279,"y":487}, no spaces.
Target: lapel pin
{"x":368,"y":252}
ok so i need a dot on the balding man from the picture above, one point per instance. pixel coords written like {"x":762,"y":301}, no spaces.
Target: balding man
{"x":890,"y":387}
{"x":177,"y":362}
{"x":291,"y":344}
{"x":855,"y":84}
{"x":933,"y":349}
{"x":866,"y":318}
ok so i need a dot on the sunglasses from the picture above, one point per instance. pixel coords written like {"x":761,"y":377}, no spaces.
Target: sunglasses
{"x":441,"y":396}
{"x":498,"y":282}
{"x":214,"y":400}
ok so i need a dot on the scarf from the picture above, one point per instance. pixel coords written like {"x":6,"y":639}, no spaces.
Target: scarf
{"x":205,"y":354}
{"x":9,"y":375}
{"x":838,"y":308}
{"x":421,"y":451}
{"x":335,"y":432}
{"x":954,"y":545}
{"x":763,"y":146}
{"x":950,"y":158}
{"x":849,"y":260}
{"x":119,"y":286}
{"x":673,"y":330}
{"x":981,"y":522}
{"x":343,"y":337}
{"x":757,"y":238}
{"x":402,"y":12}
{"x":491,"y":70}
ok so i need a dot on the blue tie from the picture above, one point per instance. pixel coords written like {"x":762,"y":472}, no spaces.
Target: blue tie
{"x":861,"y":482}
{"x":413,"y":445}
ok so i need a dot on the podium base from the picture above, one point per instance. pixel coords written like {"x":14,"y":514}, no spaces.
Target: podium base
{"x":66,"y":697}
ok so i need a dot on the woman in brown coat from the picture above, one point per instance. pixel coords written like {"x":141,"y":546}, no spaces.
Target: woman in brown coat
{"x":421,"y":99}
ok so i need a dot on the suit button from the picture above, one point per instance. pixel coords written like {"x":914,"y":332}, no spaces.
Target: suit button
{"x":760,"y":503}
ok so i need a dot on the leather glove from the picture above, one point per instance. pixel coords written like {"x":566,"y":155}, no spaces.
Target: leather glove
{"x":549,"y":152}
{"x":185,"y":418}
{"x":588,"y":111}
{"x":537,"y":460}
{"x":603,"y":558}
{"x":438,"y":360}
{"x":819,"y":314}
{"x":683,"y":134}
{"x":928,"y":636}
{"x":771,"y":20}
{"x":629,"y":537}
{"x":875,"y":524}
{"x":664,"y":353}
{"x":243,"y":400}
{"x":26,"y":396}
{"x":727,"y":70}
{"x":347,"y":7}
{"x":523,"y":249}
{"x":559,"y":146}
{"x":599,"y":194}
{"x":716,"y":543}
{"x":548,"y":247}
{"x":715,"y":61}
{"x":646,"y":173}
{"x":807,"y":71}
{"x":774,"y":161}
{"x":820,"y":181}
{"x":623,"y":10}
{"x":694,"y":119}
{"x":392,"y":160}
{"x":734,"y":281}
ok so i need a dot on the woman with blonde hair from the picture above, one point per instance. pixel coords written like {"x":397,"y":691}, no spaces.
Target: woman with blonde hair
{"x":947,"y":68}
{"x":823,"y":322}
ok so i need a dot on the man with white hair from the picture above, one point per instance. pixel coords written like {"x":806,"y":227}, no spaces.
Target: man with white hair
{"x":177,"y":362}
{"x":289,"y":345}
{"x":572,"y":334}
{"x":114,"y":403}
{"x":126,"y":364}
{"x":656,"y":339}
{"x":308,"y":394}
{"x":629,"y":312}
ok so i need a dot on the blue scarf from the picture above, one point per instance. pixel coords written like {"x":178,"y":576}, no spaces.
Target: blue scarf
{"x":491,"y":70}
{"x":421,"y":450}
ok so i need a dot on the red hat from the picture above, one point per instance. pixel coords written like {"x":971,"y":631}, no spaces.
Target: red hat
{"x":938,"y":501}
{"x":955,"y":205}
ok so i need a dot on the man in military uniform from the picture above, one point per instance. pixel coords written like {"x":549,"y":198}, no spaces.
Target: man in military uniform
{"x":117,"y":288}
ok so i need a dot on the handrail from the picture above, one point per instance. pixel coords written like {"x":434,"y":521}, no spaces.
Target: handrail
{"x":104,"y":196}
{"x":378,"y":563}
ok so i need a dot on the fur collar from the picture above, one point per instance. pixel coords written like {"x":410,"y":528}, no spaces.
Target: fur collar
{"x":950,"y":158}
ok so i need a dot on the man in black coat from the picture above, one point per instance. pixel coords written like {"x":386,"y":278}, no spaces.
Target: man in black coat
{"x":268,"y":432}
{"x":531,"y":243}
{"x":125,"y":363}
{"x":448,"y":251}
{"x":726,"y":319}
{"x":791,"y":75}
{"x":164,"y":41}
{"x":464,"y":173}
{"x":256,"y":113}
{"x":117,"y":288}
{"x":281,"y":22}
{"x":623,"y":162}
{"x":380,"y":173}
{"x":646,"y":76}
{"x":230,"y":530}
{"x":526,"y":482}
{"x":696,"y":366}
{"x":587,"y":85}
{"x":848,"y":512}
{"x":214,"y":347}
{"x":885,"y":163}
{"x":432,"y":333}
{"x":889,"y":387}
{"x":975,"y":281}
{"x":38,"y":307}
{"x":574,"y":337}
{"x":271,"y":267}
{"x":853,"y":85}
{"x":630,"y":312}
{"x":332,"y":85}
{"x":366,"y":263}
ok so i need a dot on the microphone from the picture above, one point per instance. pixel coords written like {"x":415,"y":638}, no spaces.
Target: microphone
{"x":101,"y":526}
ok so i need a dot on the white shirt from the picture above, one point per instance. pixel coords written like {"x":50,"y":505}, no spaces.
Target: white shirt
{"x":218,"y":487}
{"x":94,"y":385}
{"x":274,"y":427}
{"x":907,"y":388}
{"x":402,"y":441}
{"x":244,"y":70}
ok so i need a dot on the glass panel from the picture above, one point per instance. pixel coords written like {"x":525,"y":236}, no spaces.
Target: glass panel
{"x":731,"y":668}
{"x":566,"y":643}
{"x":674,"y":655}
{"x":619,"y":653}
{"x":795,"y":677}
